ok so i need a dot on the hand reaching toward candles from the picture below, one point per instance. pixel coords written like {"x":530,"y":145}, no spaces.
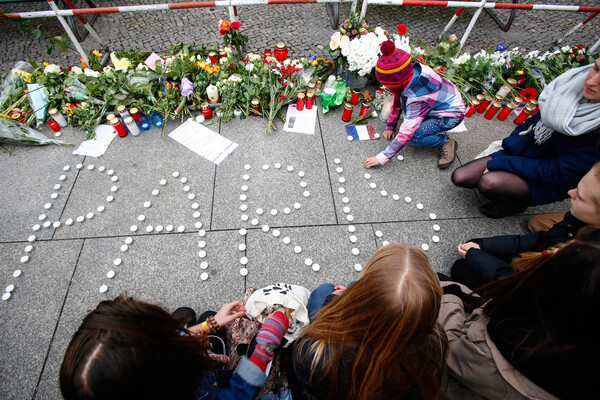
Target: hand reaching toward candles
{"x":388,"y":134}
{"x":371,"y":162}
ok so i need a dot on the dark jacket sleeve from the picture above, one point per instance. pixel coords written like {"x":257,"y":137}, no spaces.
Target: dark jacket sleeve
{"x":245,"y":384}
{"x":507,"y":247}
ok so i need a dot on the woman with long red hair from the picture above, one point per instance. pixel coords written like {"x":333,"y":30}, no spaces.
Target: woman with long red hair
{"x":378,"y":338}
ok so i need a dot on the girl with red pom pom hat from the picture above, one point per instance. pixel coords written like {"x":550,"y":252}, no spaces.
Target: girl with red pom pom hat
{"x":432,"y":104}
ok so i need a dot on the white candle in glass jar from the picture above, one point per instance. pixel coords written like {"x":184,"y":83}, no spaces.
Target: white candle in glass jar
{"x":386,"y":109}
{"x":504,"y":90}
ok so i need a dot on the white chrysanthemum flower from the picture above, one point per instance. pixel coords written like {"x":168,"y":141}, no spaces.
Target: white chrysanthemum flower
{"x":91,"y":72}
{"x":52,"y":69}
{"x":76,"y":70}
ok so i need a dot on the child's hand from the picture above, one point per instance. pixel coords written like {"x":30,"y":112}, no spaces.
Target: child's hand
{"x":463,"y":248}
{"x":229,"y":312}
{"x":339,"y":290}
{"x":371,"y":162}
{"x":387,"y":134}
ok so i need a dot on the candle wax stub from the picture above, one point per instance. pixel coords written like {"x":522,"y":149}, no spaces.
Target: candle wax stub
{"x":265,"y":167}
{"x":357,"y":267}
{"x":183,"y":180}
{"x":195,"y":206}
{"x":56,"y":224}
{"x":31,"y":238}
{"x":117,"y":262}
{"x":155,"y":192}
{"x":243,"y":271}
{"x":372,"y":185}
{"x":204,"y":276}
{"x":297,"y":206}
{"x":191,"y":196}
{"x":367,"y":176}
{"x":57,"y":186}
{"x":337,"y":161}
{"x":287,"y":240}
{"x":133,"y":228}
{"x":297,"y":249}
{"x":303,"y":184}
{"x":342,"y":180}
{"x":355,"y":251}
{"x":316,"y":267}
{"x":124,"y":247}
{"x":419,"y":206}
{"x":246,"y":177}
{"x":351,"y":228}
{"x":277,"y":165}
{"x":385,"y":243}
{"x":290,"y":168}
{"x":141,"y":217}
{"x":339,"y":170}
{"x":114,"y":179}
{"x":432,"y":216}
{"x":48,"y":206}
{"x":407,"y":199}
{"x":306,"y":193}
{"x":147,"y":204}
{"x":383,"y":193}
{"x":196,"y":214}
{"x":128,"y":240}
{"x":349,"y":138}
{"x":149,"y":228}
{"x":244,"y":207}
{"x":265,"y":228}
{"x":247,"y":167}
{"x":244,"y":260}
{"x":353,"y":239}
{"x":10,"y":288}
{"x":242,"y":247}
{"x":244,"y":217}
{"x":169,"y":228}
{"x":69,"y":221}
{"x":202,"y":233}
{"x":425,"y":246}
{"x":110,"y":172}
{"x":378,"y":234}
{"x":110,"y":274}
{"x":109,"y":199}
{"x":114,"y":189}
{"x":345,"y":200}
{"x":47,"y":224}
{"x":243,"y":197}
{"x":259,"y":211}
{"x":66,"y":168}
{"x":163,"y":182}
{"x":243,"y":231}
{"x":89,"y":215}
{"x":6,"y":296}
{"x":28,"y":249}
{"x":204,"y":265}
{"x":202,"y":244}
{"x":254,"y":221}
{"x":349,"y":217}
{"x":62,"y":177}
{"x":273,"y":212}
{"x":176,"y":174}
{"x":16,"y":273}
{"x":244,"y":188}
{"x":202,"y":254}
{"x":435,"y":239}
{"x":36,"y":227}
{"x":198,"y":225}
{"x":42,"y":217}
{"x":346,"y":209}
{"x":101,"y":208}
{"x":342,"y":190}
{"x":308,"y":262}
{"x":103,"y":289}
{"x":54,"y":195}
{"x":276,"y":232}
{"x":301,"y":174}
{"x":24,"y":259}
{"x":287,"y":210}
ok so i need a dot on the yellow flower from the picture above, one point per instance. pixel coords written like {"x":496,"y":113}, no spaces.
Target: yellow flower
{"x":97,"y":54}
{"x":209,"y":70}
{"x":45,"y":64}
{"x":320,"y":60}
{"x":217,"y":69}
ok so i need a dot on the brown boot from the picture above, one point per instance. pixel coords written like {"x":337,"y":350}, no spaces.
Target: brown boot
{"x":447,"y":153}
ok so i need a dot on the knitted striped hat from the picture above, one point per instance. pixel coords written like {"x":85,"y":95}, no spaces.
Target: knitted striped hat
{"x":394,"y":68}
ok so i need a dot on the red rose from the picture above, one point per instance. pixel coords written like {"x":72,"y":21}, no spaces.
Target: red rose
{"x":222,"y":32}
{"x":402,"y":29}
{"x":235,"y":25}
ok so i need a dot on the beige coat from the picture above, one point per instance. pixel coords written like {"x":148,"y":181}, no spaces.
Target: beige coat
{"x":474,"y":359}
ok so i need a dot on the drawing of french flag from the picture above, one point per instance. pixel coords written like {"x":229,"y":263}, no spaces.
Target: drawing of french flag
{"x":361,"y":132}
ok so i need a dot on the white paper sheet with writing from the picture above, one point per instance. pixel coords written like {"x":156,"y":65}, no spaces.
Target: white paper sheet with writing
{"x":104,"y":135}
{"x":201,"y":140}
{"x":300,"y":121}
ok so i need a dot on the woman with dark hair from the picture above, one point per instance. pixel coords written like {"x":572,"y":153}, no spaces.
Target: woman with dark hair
{"x":129,"y":349}
{"x":378,"y":338}
{"x":534,"y":334}
{"x":546,"y":156}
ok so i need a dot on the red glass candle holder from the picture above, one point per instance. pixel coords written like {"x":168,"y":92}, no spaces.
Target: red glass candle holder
{"x":483,"y":105}
{"x":206,"y":111}
{"x":214,"y":59}
{"x":523,"y":115}
{"x":472,"y":108}
{"x":347,"y":114}
{"x":310,"y":99}
{"x":365,"y":108}
{"x":280,"y":52}
{"x":54,"y":125}
{"x":255,"y":106}
{"x":266,"y":54}
{"x":118,"y":127}
{"x":355,"y":96}
{"x":492,"y":111}
{"x":505,"y":112}
{"x":300,"y":102}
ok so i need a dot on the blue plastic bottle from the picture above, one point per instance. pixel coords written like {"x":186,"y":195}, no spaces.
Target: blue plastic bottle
{"x":157,"y":119}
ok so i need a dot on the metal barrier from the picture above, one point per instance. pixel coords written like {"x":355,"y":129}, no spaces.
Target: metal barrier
{"x":482,"y":5}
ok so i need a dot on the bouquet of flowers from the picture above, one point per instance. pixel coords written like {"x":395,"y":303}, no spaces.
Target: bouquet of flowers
{"x":285,"y":82}
{"x":232,"y":36}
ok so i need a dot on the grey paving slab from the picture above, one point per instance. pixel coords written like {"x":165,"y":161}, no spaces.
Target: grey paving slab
{"x":30,"y":316}
{"x":29,"y":177}
{"x":139,"y":164}
{"x":271,"y":260}
{"x":276,"y":187}
{"x":451,"y":233}
{"x":162,"y":269}
{"x":415,"y":176}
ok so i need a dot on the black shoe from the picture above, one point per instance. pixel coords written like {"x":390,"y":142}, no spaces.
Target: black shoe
{"x":501,"y":210}
{"x":443,"y":277}
{"x":185,"y":315}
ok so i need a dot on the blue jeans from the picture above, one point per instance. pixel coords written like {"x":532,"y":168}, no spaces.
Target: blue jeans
{"x":317,"y":299}
{"x":431,"y":131}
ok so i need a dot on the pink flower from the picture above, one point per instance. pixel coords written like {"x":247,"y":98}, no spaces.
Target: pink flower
{"x":236,"y":25}
{"x":440,"y":69}
{"x":354,"y":31}
{"x":453,"y":38}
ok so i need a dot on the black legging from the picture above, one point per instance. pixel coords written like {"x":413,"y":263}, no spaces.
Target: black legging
{"x":497,"y":186}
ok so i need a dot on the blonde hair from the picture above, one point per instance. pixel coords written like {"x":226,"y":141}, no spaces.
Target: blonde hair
{"x":386,"y":321}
